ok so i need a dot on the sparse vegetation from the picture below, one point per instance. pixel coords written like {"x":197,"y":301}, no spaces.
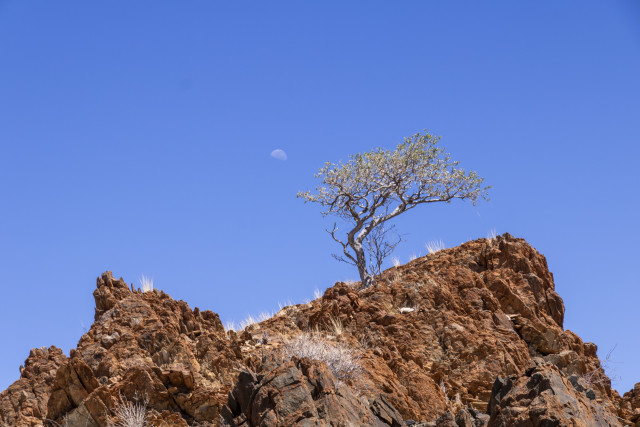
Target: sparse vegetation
{"x":335,"y":326}
{"x":604,"y":373}
{"x":434,"y":246}
{"x":378,"y":247}
{"x":131,"y":414}
{"x":443,"y":387}
{"x":146,"y":283}
{"x":285,"y":304}
{"x":248,"y":321}
{"x":492,"y":234}
{"x":396,"y":277}
{"x":343,"y":361}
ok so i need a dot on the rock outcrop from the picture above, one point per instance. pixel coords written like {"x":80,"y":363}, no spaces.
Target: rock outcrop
{"x":630,"y":405}
{"x":24,"y":403}
{"x":302,"y":393}
{"x":544,"y":396}
{"x":449,"y":339}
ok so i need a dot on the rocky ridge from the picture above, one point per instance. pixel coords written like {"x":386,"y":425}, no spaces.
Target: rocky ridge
{"x":467,"y":336}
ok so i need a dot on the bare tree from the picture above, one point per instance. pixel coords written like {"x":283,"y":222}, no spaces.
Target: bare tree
{"x":374,"y":187}
{"x":378,"y":245}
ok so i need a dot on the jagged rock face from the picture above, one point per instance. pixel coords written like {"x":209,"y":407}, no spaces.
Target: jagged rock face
{"x":630,"y":405}
{"x":24,"y":403}
{"x":301,"y":393}
{"x":462,"y":316}
{"x":544,"y":397}
{"x":145,"y":345}
{"x":432,"y":335}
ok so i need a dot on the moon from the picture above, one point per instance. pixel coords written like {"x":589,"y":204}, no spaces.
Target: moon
{"x":279,"y":154}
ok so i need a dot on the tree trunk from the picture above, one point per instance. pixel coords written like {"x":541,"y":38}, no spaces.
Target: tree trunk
{"x":361,"y":263}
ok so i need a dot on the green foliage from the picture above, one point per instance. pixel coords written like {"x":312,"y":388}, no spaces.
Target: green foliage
{"x":374,"y":187}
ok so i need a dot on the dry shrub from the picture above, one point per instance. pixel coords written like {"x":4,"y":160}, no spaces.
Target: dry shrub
{"x":131,"y":414}
{"x":343,"y":361}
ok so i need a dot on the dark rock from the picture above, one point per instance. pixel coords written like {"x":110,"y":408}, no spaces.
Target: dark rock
{"x":542,"y":396}
{"x":464,"y":419}
{"x":446,"y":420}
{"x":301,"y":393}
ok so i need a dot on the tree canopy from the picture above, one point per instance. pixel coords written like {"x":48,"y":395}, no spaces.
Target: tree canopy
{"x":373,"y":187}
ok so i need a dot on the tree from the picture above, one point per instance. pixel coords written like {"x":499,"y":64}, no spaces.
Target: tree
{"x":379,"y":248}
{"x":373,"y":187}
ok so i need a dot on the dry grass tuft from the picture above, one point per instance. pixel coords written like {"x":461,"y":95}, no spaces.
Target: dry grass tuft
{"x":146,"y":283}
{"x":434,"y":246}
{"x":492,"y":235}
{"x":335,"y":326}
{"x":343,"y":361}
{"x":131,"y":414}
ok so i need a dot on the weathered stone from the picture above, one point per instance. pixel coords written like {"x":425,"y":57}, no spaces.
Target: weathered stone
{"x":431,"y":336}
{"x":464,"y":419}
{"x":302,"y":393}
{"x":543,"y":396}
{"x":80,"y":417}
{"x":446,"y":420}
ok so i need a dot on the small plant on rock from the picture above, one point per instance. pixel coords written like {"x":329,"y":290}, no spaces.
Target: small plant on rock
{"x":146,"y":283}
{"x":434,"y":246}
{"x":343,"y":361}
{"x":131,"y":414}
{"x":604,"y":374}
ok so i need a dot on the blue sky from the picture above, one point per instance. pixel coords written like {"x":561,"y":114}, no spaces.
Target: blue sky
{"x":136,"y":137}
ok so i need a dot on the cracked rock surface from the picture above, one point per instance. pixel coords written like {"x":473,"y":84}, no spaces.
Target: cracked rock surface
{"x":432,"y":336}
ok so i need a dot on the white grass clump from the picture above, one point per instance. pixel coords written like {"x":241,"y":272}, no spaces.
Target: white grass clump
{"x":443,"y":387}
{"x":282,"y":305}
{"x":492,"y":234}
{"x":413,"y":257}
{"x":317,"y":294}
{"x":343,"y":361}
{"x":396,"y":262}
{"x":131,"y":414}
{"x":146,"y":283}
{"x":265,"y":315}
{"x":404,"y":310}
{"x":435,"y":246}
{"x":248,"y":321}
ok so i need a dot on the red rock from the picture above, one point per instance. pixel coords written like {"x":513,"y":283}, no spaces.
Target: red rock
{"x":302,"y":393}
{"x":460,"y":317}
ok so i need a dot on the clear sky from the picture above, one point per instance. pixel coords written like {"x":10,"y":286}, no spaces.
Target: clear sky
{"x":136,"y":137}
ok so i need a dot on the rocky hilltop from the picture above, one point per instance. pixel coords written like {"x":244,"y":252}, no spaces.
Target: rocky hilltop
{"x":467,"y":336}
